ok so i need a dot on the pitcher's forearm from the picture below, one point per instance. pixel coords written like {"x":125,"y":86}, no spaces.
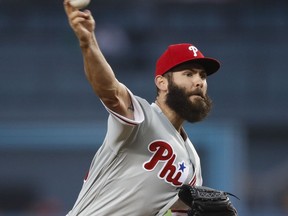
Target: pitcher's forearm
{"x":98,"y":71}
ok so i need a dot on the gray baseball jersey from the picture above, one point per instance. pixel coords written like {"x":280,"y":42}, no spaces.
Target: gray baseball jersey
{"x":138,"y":167}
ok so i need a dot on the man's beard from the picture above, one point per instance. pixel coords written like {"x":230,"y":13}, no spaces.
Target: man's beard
{"x":190,"y":110}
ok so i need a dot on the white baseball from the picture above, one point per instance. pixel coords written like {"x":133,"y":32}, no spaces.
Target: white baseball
{"x":79,"y":4}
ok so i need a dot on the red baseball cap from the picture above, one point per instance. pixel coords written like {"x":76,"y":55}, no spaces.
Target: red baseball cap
{"x":177,"y":54}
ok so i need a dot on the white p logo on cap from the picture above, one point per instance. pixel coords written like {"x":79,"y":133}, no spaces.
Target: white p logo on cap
{"x":194,"y":49}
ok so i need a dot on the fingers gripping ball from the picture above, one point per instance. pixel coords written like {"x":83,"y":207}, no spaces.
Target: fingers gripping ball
{"x":205,"y":201}
{"x":79,"y":4}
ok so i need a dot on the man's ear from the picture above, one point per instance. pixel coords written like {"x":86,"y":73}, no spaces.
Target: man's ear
{"x":161,"y":83}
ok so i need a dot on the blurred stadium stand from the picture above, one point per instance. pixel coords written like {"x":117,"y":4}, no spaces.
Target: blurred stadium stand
{"x":51,"y":123}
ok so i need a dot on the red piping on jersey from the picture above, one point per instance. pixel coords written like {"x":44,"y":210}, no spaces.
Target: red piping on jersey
{"x":130,"y":123}
{"x":86,"y":176}
{"x":192,"y":183}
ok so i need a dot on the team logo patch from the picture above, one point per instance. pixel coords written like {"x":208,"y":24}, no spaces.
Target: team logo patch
{"x":193,"y":49}
{"x":164,"y":155}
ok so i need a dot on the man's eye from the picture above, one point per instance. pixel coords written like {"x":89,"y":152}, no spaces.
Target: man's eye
{"x":203,"y":75}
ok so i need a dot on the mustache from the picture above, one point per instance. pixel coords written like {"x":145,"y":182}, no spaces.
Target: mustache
{"x":196,"y":92}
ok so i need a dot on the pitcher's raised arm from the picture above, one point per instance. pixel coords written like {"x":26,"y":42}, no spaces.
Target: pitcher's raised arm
{"x":98,"y":71}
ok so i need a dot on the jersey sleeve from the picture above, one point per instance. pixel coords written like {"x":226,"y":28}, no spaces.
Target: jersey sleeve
{"x":119,"y":128}
{"x":138,"y":113}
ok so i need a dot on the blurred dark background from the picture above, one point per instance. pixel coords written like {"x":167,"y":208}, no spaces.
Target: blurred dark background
{"x":51,"y":123}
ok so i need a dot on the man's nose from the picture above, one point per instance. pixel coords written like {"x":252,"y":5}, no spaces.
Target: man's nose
{"x":199,"y":82}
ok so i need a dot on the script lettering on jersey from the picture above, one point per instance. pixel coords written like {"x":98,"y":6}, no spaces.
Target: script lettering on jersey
{"x":163,"y":154}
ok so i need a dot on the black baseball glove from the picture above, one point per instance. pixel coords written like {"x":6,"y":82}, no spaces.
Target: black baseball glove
{"x":204,"y":201}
